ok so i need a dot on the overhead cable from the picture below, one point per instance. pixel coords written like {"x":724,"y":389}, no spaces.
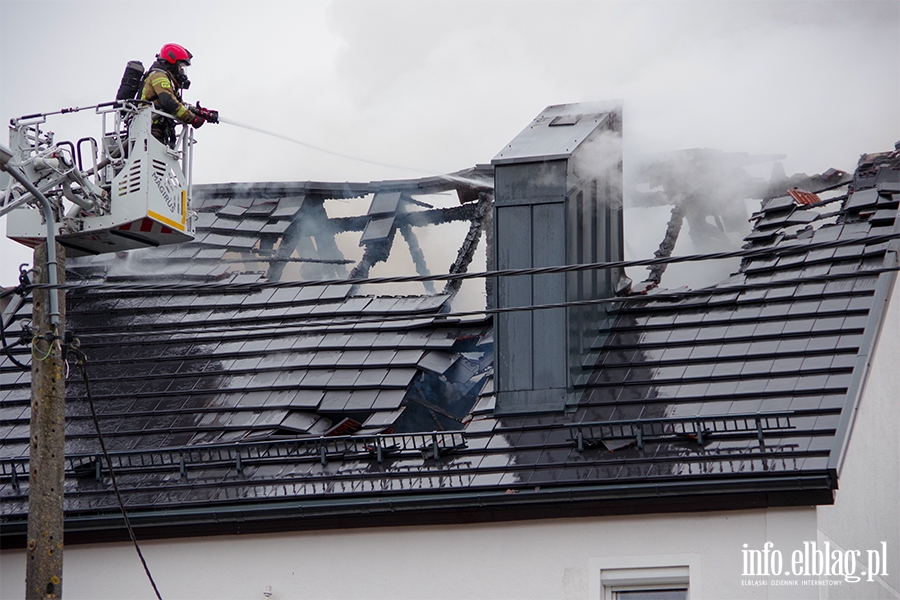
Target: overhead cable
{"x":228,"y":287}
{"x":328,"y":324}
{"x":82,"y":362}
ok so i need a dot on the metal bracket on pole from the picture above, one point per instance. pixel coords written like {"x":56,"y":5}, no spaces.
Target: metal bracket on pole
{"x":5,"y":155}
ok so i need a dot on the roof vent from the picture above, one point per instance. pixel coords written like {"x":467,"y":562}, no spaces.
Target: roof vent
{"x":564,"y":120}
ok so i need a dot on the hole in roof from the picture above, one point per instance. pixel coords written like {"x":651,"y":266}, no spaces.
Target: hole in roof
{"x":718,"y":193}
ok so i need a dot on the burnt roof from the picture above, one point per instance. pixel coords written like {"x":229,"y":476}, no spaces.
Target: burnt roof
{"x":314,"y":406}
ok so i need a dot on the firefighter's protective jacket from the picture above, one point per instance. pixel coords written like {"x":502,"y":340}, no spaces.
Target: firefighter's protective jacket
{"x":161,"y":88}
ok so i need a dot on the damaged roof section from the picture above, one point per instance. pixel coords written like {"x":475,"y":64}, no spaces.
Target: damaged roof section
{"x":707,"y":190}
{"x":786,"y":337}
{"x":266,"y":228}
{"x":200,"y":368}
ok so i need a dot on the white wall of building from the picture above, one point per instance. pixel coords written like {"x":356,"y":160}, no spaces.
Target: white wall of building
{"x":559,"y":558}
{"x":866,"y":511}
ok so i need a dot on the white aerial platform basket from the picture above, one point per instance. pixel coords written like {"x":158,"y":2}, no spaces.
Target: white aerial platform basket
{"x":136,"y":193}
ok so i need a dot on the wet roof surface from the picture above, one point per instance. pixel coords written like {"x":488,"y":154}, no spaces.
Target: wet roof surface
{"x":321,"y":396}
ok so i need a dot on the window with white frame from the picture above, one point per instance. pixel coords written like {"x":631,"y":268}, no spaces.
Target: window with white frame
{"x":651,"y":594}
{"x":645,"y":583}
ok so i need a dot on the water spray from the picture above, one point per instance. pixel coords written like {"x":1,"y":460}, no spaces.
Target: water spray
{"x":473,"y":182}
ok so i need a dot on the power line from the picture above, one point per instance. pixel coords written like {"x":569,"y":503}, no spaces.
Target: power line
{"x":7,"y":348}
{"x":328,"y":324}
{"x":81,"y":359}
{"x":312,"y":324}
{"x":259,"y":286}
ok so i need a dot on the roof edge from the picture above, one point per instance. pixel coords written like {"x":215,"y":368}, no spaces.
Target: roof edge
{"x":873,"y":332}
{"x":482,"y":506}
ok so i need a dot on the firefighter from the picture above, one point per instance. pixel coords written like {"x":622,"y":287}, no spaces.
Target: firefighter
{"x":163,"y":85}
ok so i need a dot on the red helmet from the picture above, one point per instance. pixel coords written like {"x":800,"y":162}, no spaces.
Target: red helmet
{"x":172,"y":53}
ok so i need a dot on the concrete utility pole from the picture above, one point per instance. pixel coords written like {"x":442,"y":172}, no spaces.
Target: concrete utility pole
{"x":44,"y":566}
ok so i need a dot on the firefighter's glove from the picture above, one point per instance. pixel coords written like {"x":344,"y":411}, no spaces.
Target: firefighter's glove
{"x":209,"y":115}
{"x":197,"y":121}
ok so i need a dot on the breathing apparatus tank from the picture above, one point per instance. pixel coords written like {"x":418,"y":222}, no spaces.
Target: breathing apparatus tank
{"x":131,"y":81}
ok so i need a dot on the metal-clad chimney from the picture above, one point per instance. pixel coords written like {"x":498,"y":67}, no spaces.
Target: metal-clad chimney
{"x":558,"y":201}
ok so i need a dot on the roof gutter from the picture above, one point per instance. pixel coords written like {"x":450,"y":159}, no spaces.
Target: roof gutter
{"x":469,"y":506}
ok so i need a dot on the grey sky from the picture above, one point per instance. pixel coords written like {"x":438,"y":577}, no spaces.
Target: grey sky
{"x":438,"y":86}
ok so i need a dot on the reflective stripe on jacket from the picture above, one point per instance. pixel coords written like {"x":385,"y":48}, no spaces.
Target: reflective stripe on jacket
{"x":161,"y":89}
